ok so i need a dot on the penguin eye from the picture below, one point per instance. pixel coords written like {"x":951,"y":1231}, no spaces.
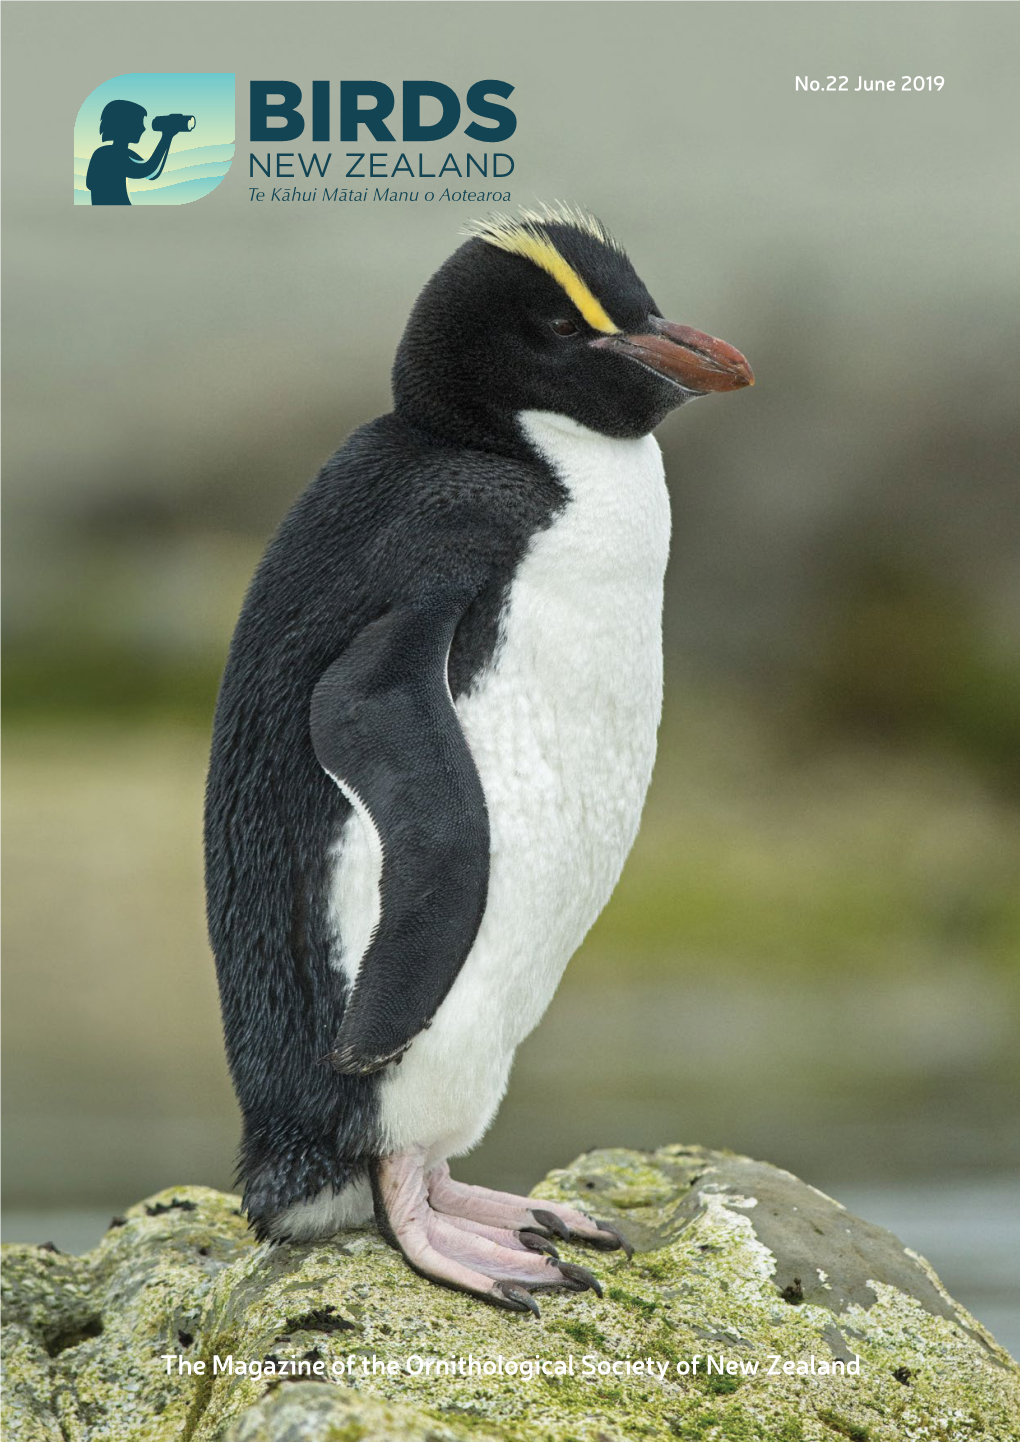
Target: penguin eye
{"x":563,"y":327}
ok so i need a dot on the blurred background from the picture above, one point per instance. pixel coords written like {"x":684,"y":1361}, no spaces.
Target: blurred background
{"x":812,"y":955}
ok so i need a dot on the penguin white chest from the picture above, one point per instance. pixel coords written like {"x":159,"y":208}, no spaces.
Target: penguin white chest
{"x":562,"y":728}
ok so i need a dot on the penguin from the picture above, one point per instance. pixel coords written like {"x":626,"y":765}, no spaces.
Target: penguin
{"x":432,"y":743}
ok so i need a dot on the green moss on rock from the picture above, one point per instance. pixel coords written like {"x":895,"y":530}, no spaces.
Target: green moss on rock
{"x":737,"y":1261}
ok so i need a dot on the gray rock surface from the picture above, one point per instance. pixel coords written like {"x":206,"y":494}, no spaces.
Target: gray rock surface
{"x":755,"y":1308}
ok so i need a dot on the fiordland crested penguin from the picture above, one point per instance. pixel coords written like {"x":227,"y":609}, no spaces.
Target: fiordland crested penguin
{"x":432,"y":744}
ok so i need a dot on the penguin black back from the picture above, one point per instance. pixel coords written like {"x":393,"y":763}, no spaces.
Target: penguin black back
{"x":388,"y":509}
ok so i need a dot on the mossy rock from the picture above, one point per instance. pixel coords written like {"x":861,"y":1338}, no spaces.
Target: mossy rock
{"x":735,"y":1260}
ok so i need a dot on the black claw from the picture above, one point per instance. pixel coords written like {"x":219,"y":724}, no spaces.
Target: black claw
{"x":618,"y":1239}
{"x":581,"y":1278}
{"x":551,"y":1223}
{"x":535,"y":1242}
{"x":519,"y":1300}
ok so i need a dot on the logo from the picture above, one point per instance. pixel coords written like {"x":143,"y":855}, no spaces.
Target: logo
{"x":183,"y":126}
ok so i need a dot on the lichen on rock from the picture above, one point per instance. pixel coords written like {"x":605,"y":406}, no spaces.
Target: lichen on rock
{"x":749,"y":1306}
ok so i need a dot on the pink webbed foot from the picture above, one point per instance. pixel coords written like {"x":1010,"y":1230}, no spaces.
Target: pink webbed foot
{"x":497,"y":1264}
{"x":523,"y":1215}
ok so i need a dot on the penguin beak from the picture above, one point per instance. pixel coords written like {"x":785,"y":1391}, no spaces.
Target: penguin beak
{"x":691,"y":359}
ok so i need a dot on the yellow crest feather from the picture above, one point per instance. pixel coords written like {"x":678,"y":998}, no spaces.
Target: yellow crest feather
{"x":526,"y":235}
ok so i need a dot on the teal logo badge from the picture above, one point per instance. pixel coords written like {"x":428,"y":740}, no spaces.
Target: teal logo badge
{"x":154,"y":139}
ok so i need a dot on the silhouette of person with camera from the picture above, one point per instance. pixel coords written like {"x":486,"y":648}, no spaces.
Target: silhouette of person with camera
{"x":113,"y":165}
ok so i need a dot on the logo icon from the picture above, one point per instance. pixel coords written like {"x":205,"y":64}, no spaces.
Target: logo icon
{"x":195,"y":139}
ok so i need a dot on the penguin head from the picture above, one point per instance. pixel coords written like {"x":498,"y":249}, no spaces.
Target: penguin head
{"x":546,"y":312}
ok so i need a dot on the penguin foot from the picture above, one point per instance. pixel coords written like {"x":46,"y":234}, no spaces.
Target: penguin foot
{"x":520,"y":1214}
{"x":490,"y":1262}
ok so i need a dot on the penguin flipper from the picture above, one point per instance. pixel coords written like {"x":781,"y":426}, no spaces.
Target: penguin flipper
{"x":384,"y":727}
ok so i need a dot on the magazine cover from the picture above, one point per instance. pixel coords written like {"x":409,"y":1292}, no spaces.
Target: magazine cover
{"x":512,"y":702}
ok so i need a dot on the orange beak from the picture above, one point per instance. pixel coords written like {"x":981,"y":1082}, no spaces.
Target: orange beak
{"x":695,"y":361}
